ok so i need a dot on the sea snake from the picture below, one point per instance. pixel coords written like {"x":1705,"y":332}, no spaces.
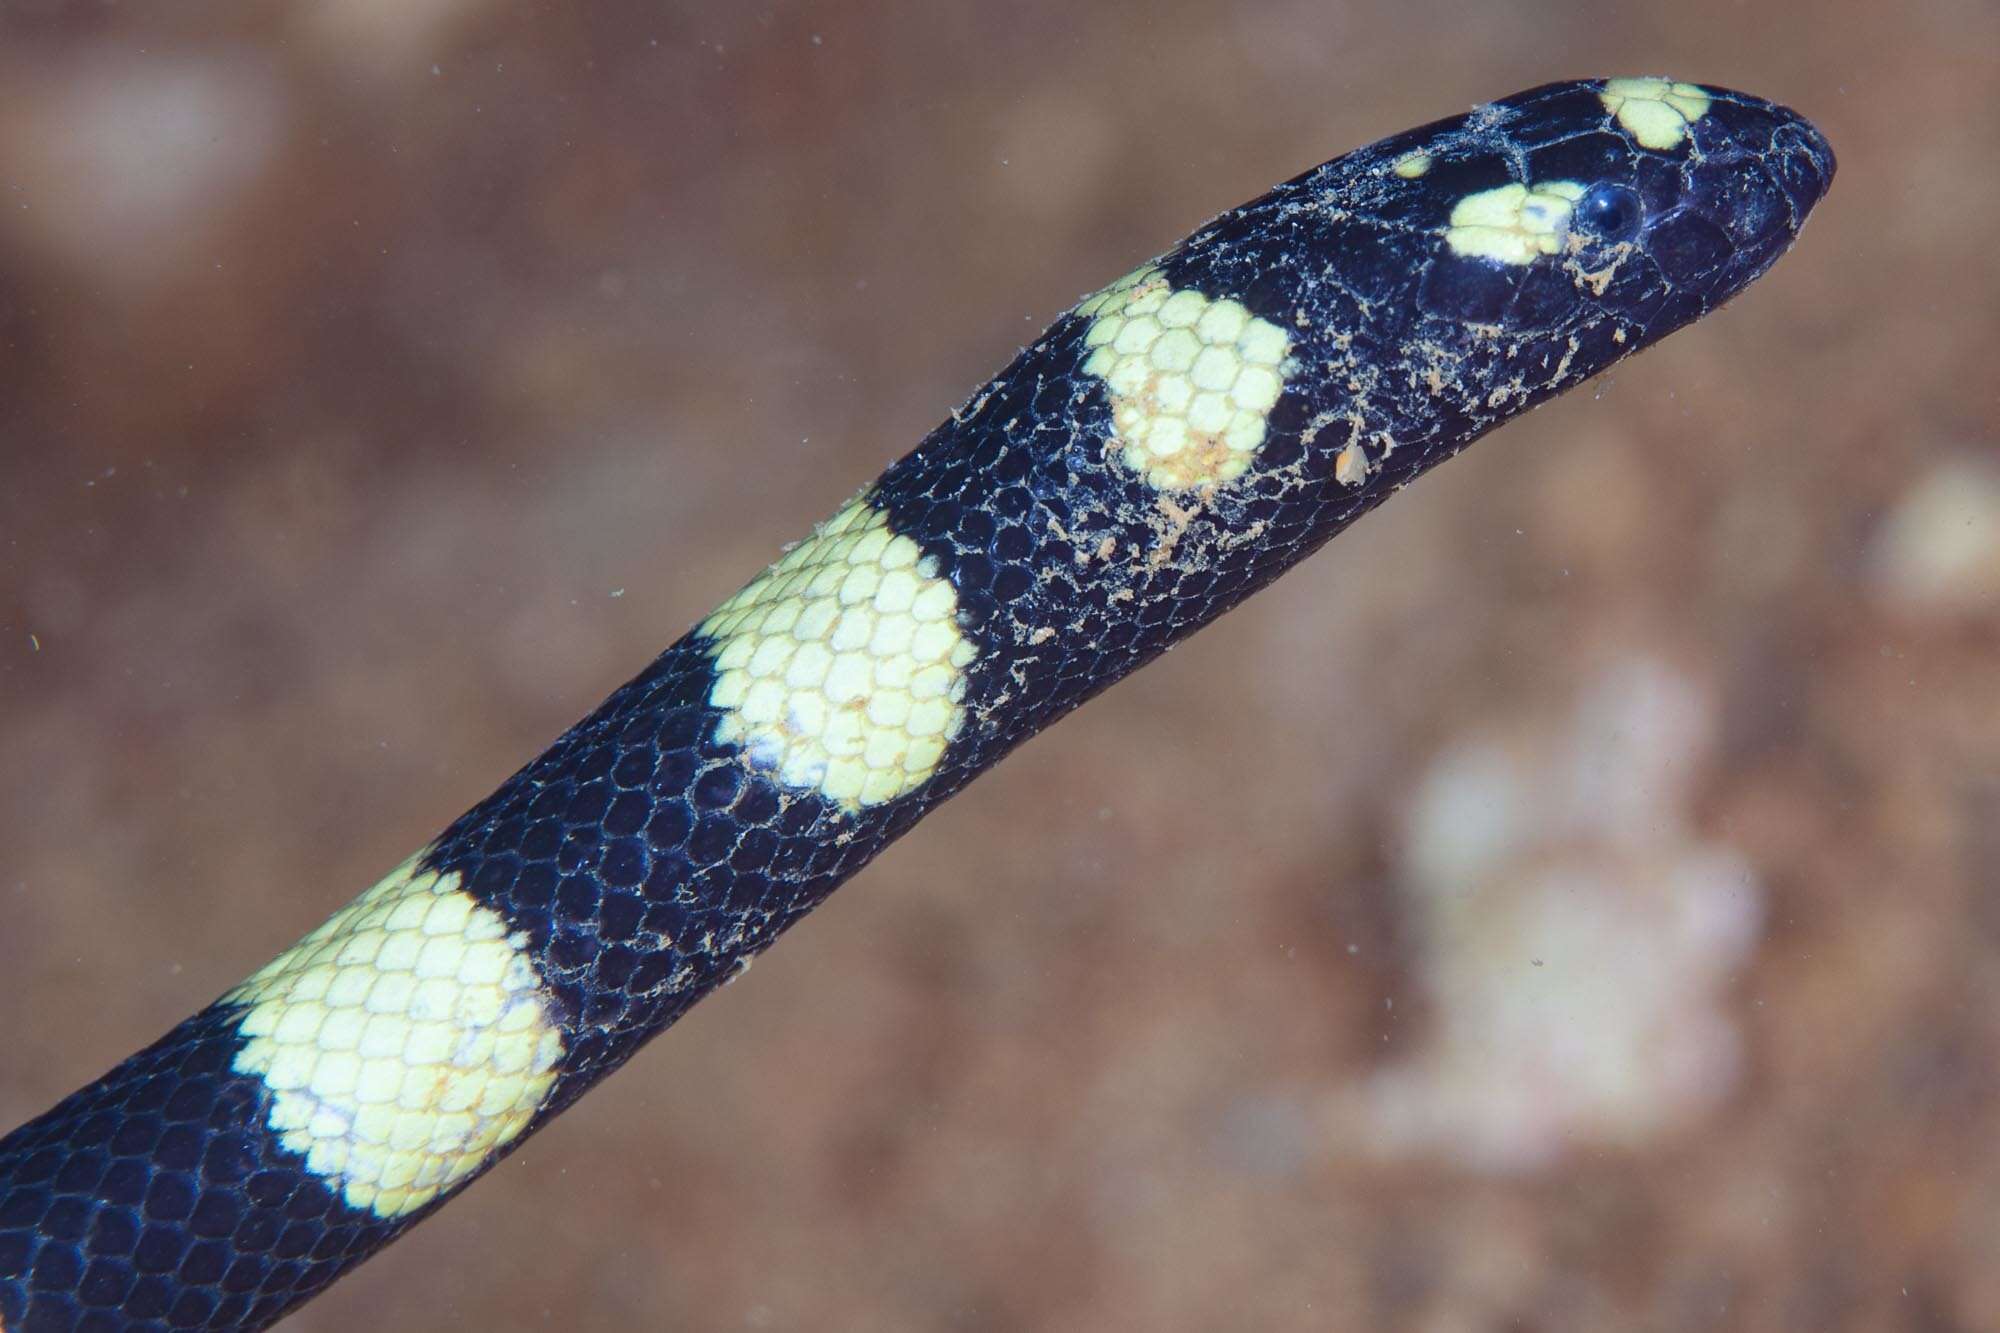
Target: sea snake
{"x":1165,"y":449}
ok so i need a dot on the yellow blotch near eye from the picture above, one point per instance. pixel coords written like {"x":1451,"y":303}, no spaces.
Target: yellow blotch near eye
{"x":1513,"y":224}
{"x":403,"y":1041}
{"x":1655,"y":112}
{"x":842,"y":669}
{"x":1192,"y":379}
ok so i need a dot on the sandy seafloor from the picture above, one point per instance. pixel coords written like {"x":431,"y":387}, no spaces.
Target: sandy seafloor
{"x":1568,"y":902}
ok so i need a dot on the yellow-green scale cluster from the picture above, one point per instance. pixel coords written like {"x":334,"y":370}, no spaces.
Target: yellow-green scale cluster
{"x":1514,"y":223}
{"x":404,"y":1041}
{"x":1655,"y":112}
{"x":842,"y":668}
{"x":1412,"y":166}
{"x":1192,"y":379}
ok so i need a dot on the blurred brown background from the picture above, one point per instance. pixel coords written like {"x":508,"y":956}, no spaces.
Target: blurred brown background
{"x":1567,"y":903}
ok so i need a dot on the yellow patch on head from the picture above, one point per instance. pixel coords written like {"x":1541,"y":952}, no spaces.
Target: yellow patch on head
{"x":404,"y":1041}
{"x":1513,"y":224}
{"x":1192,"y":380}
{"x":1655,"y":112}
{"x":842,"y":669}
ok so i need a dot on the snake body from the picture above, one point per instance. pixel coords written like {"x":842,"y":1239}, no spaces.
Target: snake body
{"x":1162,"y":451}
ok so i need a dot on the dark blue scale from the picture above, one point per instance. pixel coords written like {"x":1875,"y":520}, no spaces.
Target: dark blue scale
{"x":646,"y":863}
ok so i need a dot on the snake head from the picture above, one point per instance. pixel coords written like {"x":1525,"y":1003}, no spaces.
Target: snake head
{"x":1644,"y":202}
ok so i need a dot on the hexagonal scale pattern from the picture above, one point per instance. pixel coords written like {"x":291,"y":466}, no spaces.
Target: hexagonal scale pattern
{"x":1192,"y":380}
{"x":842,"y":668}
{"x":404,"y":1041}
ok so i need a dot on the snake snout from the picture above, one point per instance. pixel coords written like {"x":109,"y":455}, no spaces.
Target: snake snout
{"x":1803,"y":160}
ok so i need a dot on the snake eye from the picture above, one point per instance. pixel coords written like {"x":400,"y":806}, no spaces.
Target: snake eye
{"x":1612,"y":212}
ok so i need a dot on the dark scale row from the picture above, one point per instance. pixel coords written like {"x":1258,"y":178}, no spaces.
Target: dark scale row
{"x":646,"y":861}
{"x":156,"y":1198}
